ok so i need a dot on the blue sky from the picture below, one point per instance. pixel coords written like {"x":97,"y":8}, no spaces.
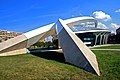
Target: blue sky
{"x":26,"y":15}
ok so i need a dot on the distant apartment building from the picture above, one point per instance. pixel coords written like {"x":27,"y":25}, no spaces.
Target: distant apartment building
{"x":5,"y":35}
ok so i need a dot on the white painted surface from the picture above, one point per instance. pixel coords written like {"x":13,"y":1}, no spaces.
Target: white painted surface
{"x":87,"y":42}
{"x":92,"y":31}
{"x":77,"y":19}
{"x":38,"y":31}
{"x":75,"y":51}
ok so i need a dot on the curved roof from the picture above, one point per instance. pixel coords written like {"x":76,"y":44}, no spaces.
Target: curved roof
{"x":77,"y":29}
{"x":92,"y":31}
{"x":89,"y":29}
{"x":78,"y":20}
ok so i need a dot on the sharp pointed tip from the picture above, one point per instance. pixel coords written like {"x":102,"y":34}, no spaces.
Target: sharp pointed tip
{"x":98,"y":74}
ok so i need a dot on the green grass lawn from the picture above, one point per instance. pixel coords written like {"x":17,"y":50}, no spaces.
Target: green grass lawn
{"x":51,"y":66}
{"x":109,"y":47}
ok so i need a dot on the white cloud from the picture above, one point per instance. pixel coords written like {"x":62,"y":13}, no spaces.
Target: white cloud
{"x":117,"y":10}
{"x":112,"y":31}
{"x":101,"y":16}
{"x":101,"y":25}
{"x":113,"y":25}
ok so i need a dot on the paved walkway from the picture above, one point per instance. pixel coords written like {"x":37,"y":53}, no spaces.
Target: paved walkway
{"x":55,"y":50}
{"x":4,"y":54}
{"x":60,"y":50}
{"x":107,"y":49}
{"x":103,"y":45}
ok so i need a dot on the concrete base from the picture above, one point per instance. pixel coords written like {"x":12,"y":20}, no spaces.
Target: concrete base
{"x":15,"y":52}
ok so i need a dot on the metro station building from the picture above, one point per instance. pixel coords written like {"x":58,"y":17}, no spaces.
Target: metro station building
{"x":92,"y":36}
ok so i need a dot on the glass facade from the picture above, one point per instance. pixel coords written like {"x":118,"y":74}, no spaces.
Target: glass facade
{"x":87,"y":38}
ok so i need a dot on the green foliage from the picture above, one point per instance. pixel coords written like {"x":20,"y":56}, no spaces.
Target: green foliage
{"x":55,"y":43}
{"x":43,"y":44}
{"x":39,"y":44}
{"x":48,"y":44}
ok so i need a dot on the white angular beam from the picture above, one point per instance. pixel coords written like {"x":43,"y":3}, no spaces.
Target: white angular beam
{"x":19,"y":44}
{"x":75,"y":51}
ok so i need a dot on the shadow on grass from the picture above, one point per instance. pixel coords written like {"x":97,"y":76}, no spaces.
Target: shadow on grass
{"x":58,"y":56}
{"x":50,"y":55}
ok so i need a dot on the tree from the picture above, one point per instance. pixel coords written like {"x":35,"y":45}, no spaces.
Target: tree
{"x":39,"y":44}
{"x":48,"y":44}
